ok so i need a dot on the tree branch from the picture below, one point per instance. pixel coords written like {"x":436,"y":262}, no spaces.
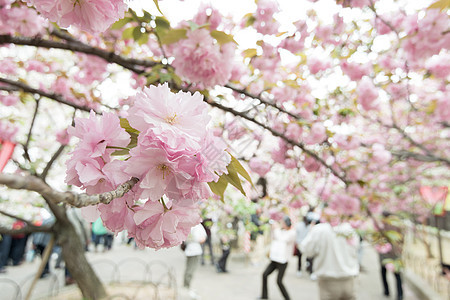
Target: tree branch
{"x":248,"y":94}
{"x":36,"y":184}
{"x":24,"y":230}
{"x":25,"y":147}
{"x":58,"y":98}
{"x":51,"y":161}
{"x":403,"y":155}
{"x":280,"y":135}
{"x":128,"y":63}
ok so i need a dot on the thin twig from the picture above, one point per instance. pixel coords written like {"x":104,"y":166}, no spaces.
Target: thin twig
{"x":27,"y":143}
{"x":51,"y":161}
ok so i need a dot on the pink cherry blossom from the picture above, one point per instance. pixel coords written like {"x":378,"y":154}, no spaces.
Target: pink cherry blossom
{"x":265,"y":10}
{"x":9,"y":100}
{"x":354,"y":70}
{"x":317,"y":134}
{"x":383,"y":248}
{"x":208,"y":15}
{"x":177,"y":119}
{"x":315,"y":65}
{"x":439,"y":65}
{"x":23,"y":20}
{"x":311,"y":164}
{"x":200,"y":60}
{"x":367,"y":94}
{"x":7,"y":131}
{"x":93,"y":16}
{"x":344,"y":204}
{"x":63,"y":137}
{"x":163,"y":227}
{"x":259,"y":166}
{"x":380,"y":155}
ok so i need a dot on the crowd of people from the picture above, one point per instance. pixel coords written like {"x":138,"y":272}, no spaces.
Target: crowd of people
{"x":331,"y":253}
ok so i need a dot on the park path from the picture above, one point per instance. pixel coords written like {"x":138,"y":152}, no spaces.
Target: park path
{"x":243,"y":282}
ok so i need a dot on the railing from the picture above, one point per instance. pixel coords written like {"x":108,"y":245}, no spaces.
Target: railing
{"x":153,"y":280}
{"x":417,"y":260}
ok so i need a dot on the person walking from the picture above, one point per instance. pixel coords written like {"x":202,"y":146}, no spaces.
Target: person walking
{"x":193,"y":251}
{"x":335,"y":259}
{"x":301,"y":230}
{"x":391,"y":255}
{"x":283,"y":240}
{"x":207,"y":224}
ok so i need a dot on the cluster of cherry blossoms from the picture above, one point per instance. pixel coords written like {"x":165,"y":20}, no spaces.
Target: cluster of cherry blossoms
{"x":174,"y":157}
{"x":93,"y":16}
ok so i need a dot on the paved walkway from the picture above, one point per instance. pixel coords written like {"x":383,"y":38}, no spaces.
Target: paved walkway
{"x":243,"y":282}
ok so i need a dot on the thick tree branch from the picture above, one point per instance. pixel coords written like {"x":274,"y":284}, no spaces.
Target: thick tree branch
{"x":128,"y":63}
{"x":24,"y":230}
{"x":58,"y":98}
{"x":36,"y":184}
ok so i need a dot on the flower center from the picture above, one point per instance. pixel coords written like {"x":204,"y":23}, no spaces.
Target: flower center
{"x":171,"y":120}
{"x":163,"y":168}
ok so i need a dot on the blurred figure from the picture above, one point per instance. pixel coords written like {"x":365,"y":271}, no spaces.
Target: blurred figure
{"x":311,"y":218}
{"x":388,"y":257}
{"x":335,"y":259}
{"x":5,"y":248}
{"x":207,"y":223}
{"x":226,"y":248}
{"x":283,"y":240}
{"x":99,"y":233}
{"x":40,"y":241}
{"x":300,"y":231}
{"x":193,"y":251}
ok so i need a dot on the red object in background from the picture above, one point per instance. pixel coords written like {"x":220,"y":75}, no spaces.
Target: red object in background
{"x":6,"y":150}
{"x":435,"y":195}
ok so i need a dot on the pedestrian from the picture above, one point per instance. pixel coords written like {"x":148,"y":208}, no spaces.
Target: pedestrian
{"x":335,"y":259}
{"x":226,"y":248}
{"x":393,"y":254}
{"x":312,"y":217}
{"x":193,"y":251}
{"x":207,"y":224}
{"x":40,"y":242}
{"x":283,"y":240}
{"x":300,"y":232}
{"x":99,"y":232}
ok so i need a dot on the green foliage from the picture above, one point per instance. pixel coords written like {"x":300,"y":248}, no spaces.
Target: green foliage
{"x":157,"y":6}
{"x":219,"y":187}
{"x":440,"y":4}
{"x":122,"y":22}
{"x":222,"y":38}
{"x":173,"y":36}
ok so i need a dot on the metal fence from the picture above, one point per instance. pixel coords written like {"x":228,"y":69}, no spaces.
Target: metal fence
{"x":127,"y":279}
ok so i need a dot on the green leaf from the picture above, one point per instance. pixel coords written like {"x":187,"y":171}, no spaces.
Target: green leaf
{"x":233,"y":178}
{"x":147,"y":17}
{"x":157,"y":6}
{"x":162,"y":23}
{"x":222,"y":37}
{"x":137,"y":33}
{"x":173,"y":36}
{"x":126,"y":125}
{"x":393,"y":236}
{"x":251,"y":52}
{"x":218,"y":187}
{"x":122,"y":22}
{"x":143,"y":39}
{"x":128,"y":33}
{"x":440,"y":4}
{"x":240,"y":169}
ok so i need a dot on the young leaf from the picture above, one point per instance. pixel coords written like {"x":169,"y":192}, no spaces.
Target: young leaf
{"x":126,"y":125}
{"x":218,"y":187}
{"x":240,"y":169}
{"x":157,"y":6}
{"x":128,"y":33}
{"x":173,"y":36}
{"x":233,"y":178}
{"x":122,"y":22}
{"x":137,"y":33}
{"x":222,"y":37}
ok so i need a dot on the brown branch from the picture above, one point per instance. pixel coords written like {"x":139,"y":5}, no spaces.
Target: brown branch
{"x":36,"y":184}
{"x":25,"y":147}
{"x":131,"y":64}
{"x":51,"y":161}
{"x":248,"y":94}
{"x":280,"y":135}
{"x":24,"y":230}
{"x":29,"y":223}
{"x":403,"y":155}
{"x":58,"y":98}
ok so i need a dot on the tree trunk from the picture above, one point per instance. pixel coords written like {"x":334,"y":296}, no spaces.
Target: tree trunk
{"x":74,"y":256}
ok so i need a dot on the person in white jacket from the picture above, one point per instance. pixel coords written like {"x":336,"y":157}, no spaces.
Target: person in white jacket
{"x":281,"y":250}
{"x":193,"y":251}
{"x":335,"y":259}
